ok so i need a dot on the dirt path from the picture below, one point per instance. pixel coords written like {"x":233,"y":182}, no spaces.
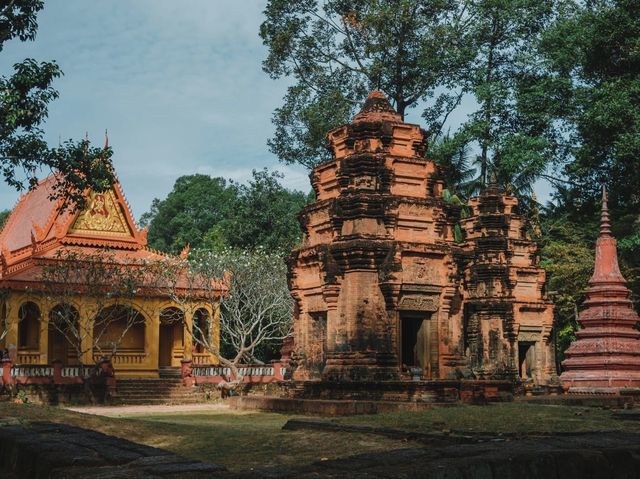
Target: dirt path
{"x":117,"y":411}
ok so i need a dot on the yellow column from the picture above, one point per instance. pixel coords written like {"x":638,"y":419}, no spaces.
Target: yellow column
{"x":43,"y":324}
{"x":215,"y":331}
{"x":188,"y":340}
{"x":85,"y":329}
{"x":13,"y":307}
{"x":152,"y":336}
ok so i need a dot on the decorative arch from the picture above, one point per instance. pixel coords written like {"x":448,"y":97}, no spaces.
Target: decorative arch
{"x":29,"y":317}
{"x":171,"y":337}
{"x":63,"y":333}
{"x":119,"y":328}
{"x":201,"y":329}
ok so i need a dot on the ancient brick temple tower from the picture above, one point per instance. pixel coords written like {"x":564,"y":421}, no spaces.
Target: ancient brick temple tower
{"x":606,"y":354}
{"x":382,"y":287}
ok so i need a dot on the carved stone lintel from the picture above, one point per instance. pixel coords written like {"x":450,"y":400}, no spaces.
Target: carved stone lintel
{"x":418,"y":303}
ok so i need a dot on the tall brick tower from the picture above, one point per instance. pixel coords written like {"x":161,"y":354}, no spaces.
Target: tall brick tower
{"x":383,"y":287}
{"x":606,"y":354}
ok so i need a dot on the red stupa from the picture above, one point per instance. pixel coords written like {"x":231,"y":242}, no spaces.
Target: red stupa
{"x":606,"y":355}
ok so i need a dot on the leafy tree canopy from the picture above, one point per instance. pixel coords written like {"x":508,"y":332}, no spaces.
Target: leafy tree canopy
{"x":192,"y":209}
{"x":429,"y":55}
{"x":213,"y":213}
{"x":266,"y":215}
{"x":25,"y":95}
{"x":594,"y":49}
{"x":336,"y":51}
{"x":3,"y":217}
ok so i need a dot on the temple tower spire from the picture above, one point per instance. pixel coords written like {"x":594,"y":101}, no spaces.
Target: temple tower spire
{"x":606,"y":355}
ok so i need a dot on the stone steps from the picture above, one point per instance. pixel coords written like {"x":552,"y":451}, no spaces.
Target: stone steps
{"x":156,"y":391}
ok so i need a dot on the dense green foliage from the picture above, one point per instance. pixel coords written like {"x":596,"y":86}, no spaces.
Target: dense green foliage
{"x":266,"y":215}
{"x":213,"y":213}
{"x":24,"y":99}
{"x":3,"y":217}
{"x":593,"y":51}
{"x":192,"y":209}
{"x":427,"y":55}
{"x":337,"y":51}
{"x":555,"y":90}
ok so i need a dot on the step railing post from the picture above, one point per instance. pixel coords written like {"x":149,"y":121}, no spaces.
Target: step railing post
{"x":57,"y":371}
{"x":7,"y":364}
{"x":186,"y":371}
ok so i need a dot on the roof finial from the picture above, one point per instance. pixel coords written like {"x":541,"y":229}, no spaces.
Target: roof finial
{"x":106,"y":138}
{"x":377,"y":108}
{"x":605,"y":225}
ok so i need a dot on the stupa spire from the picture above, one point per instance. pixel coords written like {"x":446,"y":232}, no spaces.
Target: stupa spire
{"x":606,"y":354}
{"x":605,"y":225}
{"x":606,"y":268}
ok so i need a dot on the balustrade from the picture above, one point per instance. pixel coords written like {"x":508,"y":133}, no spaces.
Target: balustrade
{"x":201,"y":358}
{"x":76,"y":371}
{"x":250,"y":373}
{"x":125,"y":358}
{"x":32,"y":371}
{"x":28,"y":357}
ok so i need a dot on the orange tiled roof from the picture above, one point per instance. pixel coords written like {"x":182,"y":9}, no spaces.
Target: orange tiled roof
{"x":37,"y":231}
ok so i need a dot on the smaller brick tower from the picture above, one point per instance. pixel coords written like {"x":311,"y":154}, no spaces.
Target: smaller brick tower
{"x":606,"y":355}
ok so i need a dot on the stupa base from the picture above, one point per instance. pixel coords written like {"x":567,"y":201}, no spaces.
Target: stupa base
{"x":594,"y":382}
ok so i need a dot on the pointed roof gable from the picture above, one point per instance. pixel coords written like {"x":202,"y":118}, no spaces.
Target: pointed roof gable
{"x":106,"y":221}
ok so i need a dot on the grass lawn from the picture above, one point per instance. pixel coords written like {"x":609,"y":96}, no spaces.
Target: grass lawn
{"x":243,"y":440}
{"x":237,"y":440}
{"x":514,"y":417}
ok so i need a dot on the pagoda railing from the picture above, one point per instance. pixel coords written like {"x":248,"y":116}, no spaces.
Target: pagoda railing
{"x":250,"y":373}
{"x":125,"y":358}
{"x":28,"y":357}
{"x":54,"y":373}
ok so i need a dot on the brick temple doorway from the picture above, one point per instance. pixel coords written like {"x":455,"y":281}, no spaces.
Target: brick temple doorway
{"x":415,"y":342}
{"x":526,"y":359}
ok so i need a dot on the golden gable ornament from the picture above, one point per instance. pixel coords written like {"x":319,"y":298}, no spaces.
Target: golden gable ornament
{"x":102,"y":215}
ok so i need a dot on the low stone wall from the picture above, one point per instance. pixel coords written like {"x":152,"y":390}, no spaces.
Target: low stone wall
{"x":47,"y":450}
{"x":446,"y":391}
{"x":592,"y":456}
{"x":323,"y":407}
{"x":58,"y":394}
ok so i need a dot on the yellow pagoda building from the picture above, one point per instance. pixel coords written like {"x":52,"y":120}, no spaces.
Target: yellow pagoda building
{"x":38,"y":236}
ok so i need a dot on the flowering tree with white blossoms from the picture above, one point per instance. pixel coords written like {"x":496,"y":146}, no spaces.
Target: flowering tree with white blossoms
{"x":255,"y":310}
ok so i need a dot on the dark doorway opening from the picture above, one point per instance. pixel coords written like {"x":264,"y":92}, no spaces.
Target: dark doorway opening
{"x":317,"y":355}
{"x":526,"y":358}
{"x":412,"y":341}
{"x":166,"y":345}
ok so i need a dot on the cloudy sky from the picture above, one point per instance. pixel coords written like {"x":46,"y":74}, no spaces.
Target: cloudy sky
{"x":180,"y":88}
{"x":178,"y":85}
